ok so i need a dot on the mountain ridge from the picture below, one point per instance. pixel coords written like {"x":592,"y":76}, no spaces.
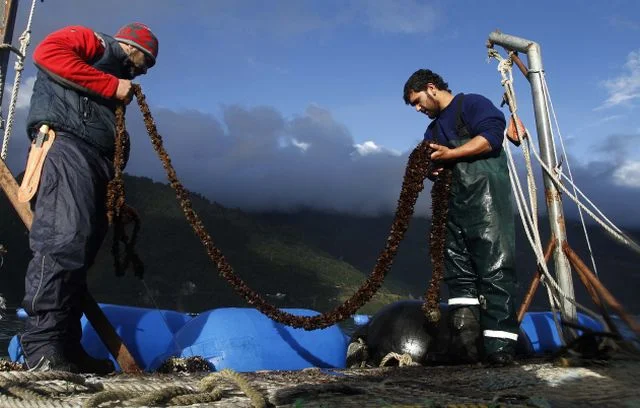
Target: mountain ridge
{"x":306,"y":258}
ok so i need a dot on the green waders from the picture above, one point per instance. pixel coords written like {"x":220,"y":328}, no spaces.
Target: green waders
{"x":480,"y":252}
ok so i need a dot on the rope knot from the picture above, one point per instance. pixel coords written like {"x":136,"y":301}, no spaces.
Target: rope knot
{"x":402,"y":359}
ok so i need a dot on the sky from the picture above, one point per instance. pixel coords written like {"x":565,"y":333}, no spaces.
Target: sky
{"x":285,"y":104}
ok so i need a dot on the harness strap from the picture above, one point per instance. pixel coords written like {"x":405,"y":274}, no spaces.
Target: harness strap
{"x":461,"y":127}
{"x":462,"y":130}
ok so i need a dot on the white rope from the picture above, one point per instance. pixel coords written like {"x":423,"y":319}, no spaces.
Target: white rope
{"x":25,"y":39}
{"x":603,"y":218}
{"x":547,"y":94}
{"x":506,"y":71}
{"x":525,"y":214}
{"x":615,"y":232}
{"x":526,"y":217}
{"x":402,"y":359}
{"x":529,"y":215}
{"x":595,"y":208}
{"x":610,"y":228}
{"x":534,"y":240}
{"x":531,"y":182}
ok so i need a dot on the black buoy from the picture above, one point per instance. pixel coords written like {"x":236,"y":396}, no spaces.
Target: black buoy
{"x":402,"y":327}
{"x":399,"y":327}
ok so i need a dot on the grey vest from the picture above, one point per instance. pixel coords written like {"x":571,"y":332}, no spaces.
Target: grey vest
{"x":68,"y":108}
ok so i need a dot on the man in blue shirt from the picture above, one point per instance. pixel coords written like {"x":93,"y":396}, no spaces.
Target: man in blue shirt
{"x":468,"y":131}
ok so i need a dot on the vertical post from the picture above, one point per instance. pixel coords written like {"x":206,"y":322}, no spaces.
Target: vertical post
{"x":545,"y":140}
{"x":552,"y":194}
{"x":8,"y":9}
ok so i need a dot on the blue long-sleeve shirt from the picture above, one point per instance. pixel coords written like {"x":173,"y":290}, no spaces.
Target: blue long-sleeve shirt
{"x":480,"y":115}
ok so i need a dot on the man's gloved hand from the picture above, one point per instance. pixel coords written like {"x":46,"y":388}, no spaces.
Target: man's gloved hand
{"x":124,"y":92}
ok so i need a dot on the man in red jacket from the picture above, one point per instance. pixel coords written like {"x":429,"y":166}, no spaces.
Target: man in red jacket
{"x":82,"y":77}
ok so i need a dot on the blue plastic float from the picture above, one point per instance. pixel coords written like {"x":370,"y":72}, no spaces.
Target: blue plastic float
{"x":543,"y":334}
{"x":147,"y":333}
{"x":243,"y":339}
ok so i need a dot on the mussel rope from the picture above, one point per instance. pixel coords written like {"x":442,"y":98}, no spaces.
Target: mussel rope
{"x":119,"y":213}
{"x":418,"y":167}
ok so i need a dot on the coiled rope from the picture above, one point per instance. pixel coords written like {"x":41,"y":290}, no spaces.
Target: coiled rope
{"x":33,"y":389}
{"x":208,"y":390}
{"x":25,"y":40}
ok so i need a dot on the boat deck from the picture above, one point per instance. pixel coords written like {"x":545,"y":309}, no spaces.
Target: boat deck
{"x":539,"y":383}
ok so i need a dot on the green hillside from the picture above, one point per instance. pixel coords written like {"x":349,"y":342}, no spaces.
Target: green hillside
{"x":302,"y":259}
{"x":351,"y":238}
{"x":179,"y":275}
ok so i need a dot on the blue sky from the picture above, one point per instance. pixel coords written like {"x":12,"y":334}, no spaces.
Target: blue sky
{"x":285,"y":103}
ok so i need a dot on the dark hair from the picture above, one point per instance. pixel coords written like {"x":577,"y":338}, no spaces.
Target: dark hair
{"x":418,"y":82}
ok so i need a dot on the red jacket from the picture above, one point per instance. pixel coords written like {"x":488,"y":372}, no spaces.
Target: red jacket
{"x":69,"y":52}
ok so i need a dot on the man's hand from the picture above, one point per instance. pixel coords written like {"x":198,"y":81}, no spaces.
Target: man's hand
{"x":437,"y":152}
{"x":124,"y":92}
{"x":442,"y":153}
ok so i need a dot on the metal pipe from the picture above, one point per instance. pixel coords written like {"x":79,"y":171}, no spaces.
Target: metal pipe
{"x":509,"y":41}
{"x":545,"y":141}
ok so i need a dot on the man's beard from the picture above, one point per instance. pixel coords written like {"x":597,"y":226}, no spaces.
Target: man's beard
{"x":131,"y":70}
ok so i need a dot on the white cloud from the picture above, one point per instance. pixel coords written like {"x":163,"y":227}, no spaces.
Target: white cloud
{"x":628,"y":175}
{"x":370,"y":147}
{"x":624,"y":23}
{"x":258,"y":159}
{"x":599,"y":122}
{"x":24,"y":94}
{"x":292,"y":18}
{"x":300,"y":145}
{"x":400,"y":16}
{"x":254,"y":63}
{"x":626,"y":87}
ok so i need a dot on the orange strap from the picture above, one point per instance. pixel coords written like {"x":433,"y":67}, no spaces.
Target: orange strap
{"x":38,"y":152}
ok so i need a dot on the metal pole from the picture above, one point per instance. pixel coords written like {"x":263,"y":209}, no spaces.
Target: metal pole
{"x":545,"y":140}
{"x":8,"y":9}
